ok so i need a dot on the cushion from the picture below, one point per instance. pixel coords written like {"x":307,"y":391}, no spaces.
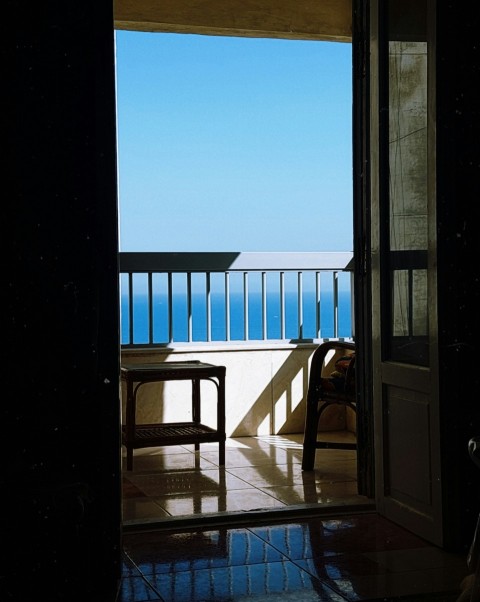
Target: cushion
{"x":336,"y":385}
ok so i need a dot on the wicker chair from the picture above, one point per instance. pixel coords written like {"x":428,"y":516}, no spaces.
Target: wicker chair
{"x":327,"y":387}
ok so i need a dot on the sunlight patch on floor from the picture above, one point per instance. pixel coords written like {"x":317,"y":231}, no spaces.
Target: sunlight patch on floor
{"x":279,"y":441}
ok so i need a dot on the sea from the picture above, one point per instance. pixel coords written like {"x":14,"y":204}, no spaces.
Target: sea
{"x":307,"y":330}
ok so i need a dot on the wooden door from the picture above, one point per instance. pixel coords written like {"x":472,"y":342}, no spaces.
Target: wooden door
{"x":400,"y":201}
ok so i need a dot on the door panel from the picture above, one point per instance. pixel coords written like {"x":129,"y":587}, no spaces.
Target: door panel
{"x":407,"y":411}
{"x":402,"y":204}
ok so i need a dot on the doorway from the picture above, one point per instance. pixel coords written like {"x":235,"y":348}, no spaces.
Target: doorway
{"x":292,"y":445}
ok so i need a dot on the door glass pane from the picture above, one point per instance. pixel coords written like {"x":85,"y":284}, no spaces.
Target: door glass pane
{"x":407,"y":232}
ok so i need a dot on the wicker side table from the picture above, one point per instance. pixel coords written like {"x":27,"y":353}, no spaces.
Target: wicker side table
{"x":136,"y":436}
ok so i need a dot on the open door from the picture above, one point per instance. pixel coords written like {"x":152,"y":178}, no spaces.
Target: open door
{"x":398,"y":148}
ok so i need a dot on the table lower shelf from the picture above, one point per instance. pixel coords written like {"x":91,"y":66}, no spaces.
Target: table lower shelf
{"x":172,"y":433}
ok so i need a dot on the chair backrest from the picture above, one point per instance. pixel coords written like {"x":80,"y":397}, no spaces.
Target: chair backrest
{"x":341,"y":373}
{"x":345,"y":370}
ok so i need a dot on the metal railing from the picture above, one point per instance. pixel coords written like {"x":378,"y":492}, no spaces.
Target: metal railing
{"x":186,"y":297}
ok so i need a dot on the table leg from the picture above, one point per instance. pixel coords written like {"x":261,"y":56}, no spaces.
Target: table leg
{"x":196,"y":413}
{"x":221,"y":420}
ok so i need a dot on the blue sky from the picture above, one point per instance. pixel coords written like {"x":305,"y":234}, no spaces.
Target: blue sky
{"x":233,"y":144}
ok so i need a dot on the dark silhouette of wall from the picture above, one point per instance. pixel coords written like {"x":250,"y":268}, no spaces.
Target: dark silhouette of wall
{"x":60,"y":422}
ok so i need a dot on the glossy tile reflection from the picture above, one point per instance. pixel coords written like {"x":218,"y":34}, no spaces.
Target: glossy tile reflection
{"x":339,"y":559}
{"x":331,"y":558}
{"x":259,"y":473}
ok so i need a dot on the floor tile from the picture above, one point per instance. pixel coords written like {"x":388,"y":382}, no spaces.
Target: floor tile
{"x":341,"y":566}
{"x":235,"y":458}
{"x":251,"y":499}
{"x":362,"y":532}
{"x":247,"y":499}
{"x":142,"y":508}
{"x":317,"y":537}
{"x":136,"y":589}
{"x":318,"y":493}
{"x":268,"y":466}
{"x":155,"y":553}
{"x":357,"y":558}
{"x":335,"y":459}
{"x":293,"y":442}
{"x":129,"y":569}
{"x":269,"y":475}
{"x":291,"y":539}
{"x":417,"y":559}
{"x":250,"y":582}
{"x":163,"y":463}
{"x":187,"y":481}
{"x":394,"y":585}
{"x":159,"y":450}
{"x":129,"y":490}
{"x":164,"y":552}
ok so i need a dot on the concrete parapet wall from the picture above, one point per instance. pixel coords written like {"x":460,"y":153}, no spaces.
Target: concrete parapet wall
{"x":266,"y":388}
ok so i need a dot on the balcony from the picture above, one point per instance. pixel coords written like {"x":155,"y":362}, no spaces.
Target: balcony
{"x":261,"y":315}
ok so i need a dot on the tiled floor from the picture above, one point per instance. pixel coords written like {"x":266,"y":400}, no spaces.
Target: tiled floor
{"x":194,"y":532}
{"x":260,"y":473}
{"x":338,"y":558}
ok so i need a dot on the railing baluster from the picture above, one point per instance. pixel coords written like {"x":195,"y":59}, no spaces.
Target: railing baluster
{"x":245,"y":305}
{"x":209,"y":307}
{"x":300,"y":304}
{"x":130,"y":308}
{"x":150,"y":308}
{"x":227,"y":306}
{"x":282,"y":306}
{"x":335,"y":304}
{"x":318,"y":314}
{"x":170,"y":307}
{"x":189,"y":308}
{"x":264,"y":306}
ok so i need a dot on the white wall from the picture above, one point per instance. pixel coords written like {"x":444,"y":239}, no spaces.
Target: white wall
{"x":266,"y":388}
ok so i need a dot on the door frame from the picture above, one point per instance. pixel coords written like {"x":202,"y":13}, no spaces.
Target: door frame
{"x":362,"y":227}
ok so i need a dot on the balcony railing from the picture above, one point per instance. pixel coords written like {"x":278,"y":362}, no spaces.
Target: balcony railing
{"x":171,"y":298}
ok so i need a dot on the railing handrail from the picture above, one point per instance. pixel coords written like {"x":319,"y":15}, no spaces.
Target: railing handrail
{"x":144,"y":262}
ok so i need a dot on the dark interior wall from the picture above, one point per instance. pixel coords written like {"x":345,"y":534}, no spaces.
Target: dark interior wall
{"x":457,"y":162}
{"x":61,"y":526}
